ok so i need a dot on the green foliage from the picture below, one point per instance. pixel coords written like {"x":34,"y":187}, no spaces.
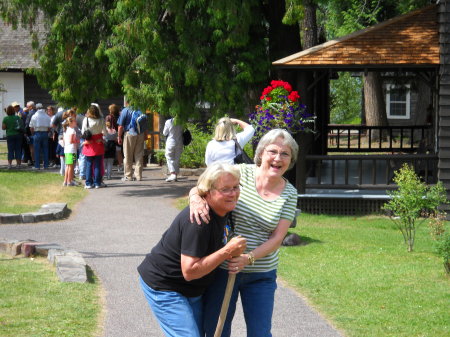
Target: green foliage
{"x":443,"y":250}
{"x":173,"y":55}
{"x":411,"y":201}
{"x":73,"y":68}
{"x":345,"y":94}
{"x":193,"y":155}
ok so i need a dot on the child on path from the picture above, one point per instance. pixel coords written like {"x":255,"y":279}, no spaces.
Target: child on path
{"x":70,"y":149}
{"x":110,"y":148}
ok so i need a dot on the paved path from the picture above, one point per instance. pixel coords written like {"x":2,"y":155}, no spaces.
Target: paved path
{"x":116,"y":226}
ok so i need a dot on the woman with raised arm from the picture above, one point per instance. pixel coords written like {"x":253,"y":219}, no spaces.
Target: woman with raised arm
{"x":179,"y":268}
{"x":223,"y":147}
{"x":263,"y":214}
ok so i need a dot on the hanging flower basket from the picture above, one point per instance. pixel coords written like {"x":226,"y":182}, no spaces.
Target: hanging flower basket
{"x":280,"y":108}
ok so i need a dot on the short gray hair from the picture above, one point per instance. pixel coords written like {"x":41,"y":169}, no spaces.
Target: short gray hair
{"x":270,"y":138}
{"x":212,"y":173}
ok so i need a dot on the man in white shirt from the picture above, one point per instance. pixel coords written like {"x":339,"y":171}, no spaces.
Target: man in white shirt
{"x":40,"y":124}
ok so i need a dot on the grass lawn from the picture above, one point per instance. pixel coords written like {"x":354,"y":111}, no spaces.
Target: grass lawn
{"x":34,"y":303}
{"x":4,"y":151}
{"x":26,"y":191}
{"x":357,"y":272}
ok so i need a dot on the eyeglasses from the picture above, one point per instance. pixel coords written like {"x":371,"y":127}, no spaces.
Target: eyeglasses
{"x":274,"y":153}
{"x":228,"y":191}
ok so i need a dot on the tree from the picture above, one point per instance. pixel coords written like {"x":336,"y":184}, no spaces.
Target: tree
{"x":345,"y":95}
{"x":172,"y":56}
{"x":72,"y":69}
{"x":175,"y":55}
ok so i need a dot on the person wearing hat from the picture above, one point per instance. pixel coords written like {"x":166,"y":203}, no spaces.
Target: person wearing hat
{"x":40,"y":124}
{"x":18,"y":110}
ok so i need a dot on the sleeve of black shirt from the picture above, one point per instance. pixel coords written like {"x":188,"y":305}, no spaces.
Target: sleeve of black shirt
{"x":195,"y":239}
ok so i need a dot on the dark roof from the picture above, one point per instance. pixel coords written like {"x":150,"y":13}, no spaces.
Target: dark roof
{"x":410,"y":40}
{"x":16,"y":51}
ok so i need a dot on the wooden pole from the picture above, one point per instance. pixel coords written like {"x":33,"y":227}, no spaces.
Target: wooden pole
{"x":225,"y":304}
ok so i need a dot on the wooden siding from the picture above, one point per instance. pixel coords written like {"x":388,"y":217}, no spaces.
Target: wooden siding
{"x":34,"y":92}
{"x":444,"y":97}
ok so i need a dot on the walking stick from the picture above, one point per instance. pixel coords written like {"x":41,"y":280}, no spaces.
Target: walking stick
{"x":225,"y":304}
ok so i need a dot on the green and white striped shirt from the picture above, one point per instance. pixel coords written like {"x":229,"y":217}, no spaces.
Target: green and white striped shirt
{"x":255,"y":218}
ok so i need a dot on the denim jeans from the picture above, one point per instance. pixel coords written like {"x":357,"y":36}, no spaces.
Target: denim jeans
{"x":178,"y":316}
{"x":81,"y":161}
{"x":40,"y":143}
{"x":95,"y":162}
{"x":14,"y":144}
{"x":257,"y":291}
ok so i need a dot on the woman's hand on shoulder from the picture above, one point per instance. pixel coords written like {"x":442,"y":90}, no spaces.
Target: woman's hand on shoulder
{"x":198,"y":209}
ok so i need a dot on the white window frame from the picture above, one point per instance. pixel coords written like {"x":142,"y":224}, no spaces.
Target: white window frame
{"x":407,"y":102}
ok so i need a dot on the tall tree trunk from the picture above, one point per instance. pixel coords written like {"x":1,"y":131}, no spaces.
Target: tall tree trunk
{"x":374,"y":103}
{"x":309,"y":25}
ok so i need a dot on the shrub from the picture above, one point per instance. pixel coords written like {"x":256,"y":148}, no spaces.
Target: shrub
{"x":412,"y":201}
{"x":443,"y":250}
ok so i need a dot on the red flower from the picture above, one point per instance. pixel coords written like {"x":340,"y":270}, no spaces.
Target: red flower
{"x":294,"y":96}
{"x":285,"y":85}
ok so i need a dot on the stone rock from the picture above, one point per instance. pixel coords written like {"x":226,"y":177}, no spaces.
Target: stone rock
{"x":9,"y":247}
{"x":71,"y":269}
{"x":29,"y":248}
{"x":44,"y":216}
{"x":42,"y":250}
{"x":59,"y":209}
{"x":53,"y":253}
{"x":27,"y":217}
{"x":7,"y":218}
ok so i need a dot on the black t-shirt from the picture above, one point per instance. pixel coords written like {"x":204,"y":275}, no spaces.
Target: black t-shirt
{"x":161,"y":269}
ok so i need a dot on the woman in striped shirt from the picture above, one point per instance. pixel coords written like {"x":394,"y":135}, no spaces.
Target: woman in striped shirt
{"x":264,"y":212}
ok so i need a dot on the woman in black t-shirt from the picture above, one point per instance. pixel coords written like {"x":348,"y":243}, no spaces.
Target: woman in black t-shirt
{"x":179,"y":268}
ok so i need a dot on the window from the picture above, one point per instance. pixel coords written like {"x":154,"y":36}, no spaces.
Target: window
{"x":398,"y":102}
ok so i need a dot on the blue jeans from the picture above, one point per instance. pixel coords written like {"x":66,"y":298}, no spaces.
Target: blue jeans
{"x":178,"y":315}
{"x":40,"y":143}
{"x":94,"y":161}
{"x":14,"y":144}
{"x":257,"y":291}
{"x":81,"y":161}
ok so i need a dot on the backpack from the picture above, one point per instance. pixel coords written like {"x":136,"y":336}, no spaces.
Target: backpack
{"x":187,"y":137}
{"x":139,"y":122}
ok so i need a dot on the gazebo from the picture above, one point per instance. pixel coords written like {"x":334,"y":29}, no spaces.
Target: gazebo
{"x":347,"y":169}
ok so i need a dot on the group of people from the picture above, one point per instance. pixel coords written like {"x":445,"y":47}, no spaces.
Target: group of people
{"x":59,"y":139}
{"x":236,"y":220}
{"x":29,"y":134}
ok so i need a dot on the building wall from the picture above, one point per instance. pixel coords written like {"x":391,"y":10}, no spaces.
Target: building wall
{"x":444,"y":97}
{"x":12,"y":86}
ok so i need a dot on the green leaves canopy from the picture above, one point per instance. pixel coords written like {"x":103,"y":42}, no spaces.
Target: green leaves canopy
{"x":169,"y":56}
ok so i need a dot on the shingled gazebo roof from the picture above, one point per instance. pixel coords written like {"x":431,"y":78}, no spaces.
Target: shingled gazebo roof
{"x":407,"y":41}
